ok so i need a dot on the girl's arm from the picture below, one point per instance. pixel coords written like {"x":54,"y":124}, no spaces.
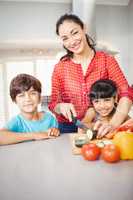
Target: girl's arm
{"x":88,"y":119}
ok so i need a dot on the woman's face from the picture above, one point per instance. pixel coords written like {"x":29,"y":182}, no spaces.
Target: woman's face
{"x":73,"y":37}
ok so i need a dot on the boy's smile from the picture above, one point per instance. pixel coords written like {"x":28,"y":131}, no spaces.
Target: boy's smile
{"x":28,"y":101}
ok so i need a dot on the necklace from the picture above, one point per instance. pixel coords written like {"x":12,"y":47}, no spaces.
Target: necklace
{"x":84,"y":60}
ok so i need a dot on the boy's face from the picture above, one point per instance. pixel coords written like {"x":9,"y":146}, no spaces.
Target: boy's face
{"x":104,"y":106}
{"x":28,"y":101}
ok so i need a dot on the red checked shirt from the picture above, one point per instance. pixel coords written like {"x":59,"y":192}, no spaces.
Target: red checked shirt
{"x":70,"y":85}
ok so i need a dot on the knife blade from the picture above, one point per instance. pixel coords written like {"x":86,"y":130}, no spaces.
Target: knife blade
{"x":90,"y":132}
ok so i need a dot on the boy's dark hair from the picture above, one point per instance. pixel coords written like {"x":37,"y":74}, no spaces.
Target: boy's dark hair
{"x":22,"y":83}
{"x":77,"y":20}
{"x":103,"y":88}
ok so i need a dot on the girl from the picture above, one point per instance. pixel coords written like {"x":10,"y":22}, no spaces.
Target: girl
{"x":104,"y":97}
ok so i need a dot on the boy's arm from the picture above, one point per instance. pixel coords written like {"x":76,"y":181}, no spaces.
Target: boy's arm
{"x":8,"y":137}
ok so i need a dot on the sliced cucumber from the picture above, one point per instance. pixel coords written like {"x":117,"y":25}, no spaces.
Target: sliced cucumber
{"x":106,"y":142}
{"x":81,"y":140}
{"x":89,"y":134}
{"x":100,"y":144}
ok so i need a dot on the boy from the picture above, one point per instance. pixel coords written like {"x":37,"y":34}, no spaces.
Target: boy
{"x":25,"y":91}
{"x":103,"y":96}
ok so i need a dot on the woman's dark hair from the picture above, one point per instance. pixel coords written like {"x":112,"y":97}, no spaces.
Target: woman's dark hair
{"x":22,"y":83}
{"x":77,"y":20}
{"x":103,"y":88}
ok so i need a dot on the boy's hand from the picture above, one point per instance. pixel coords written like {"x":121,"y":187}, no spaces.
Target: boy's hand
{"x":53,"y":132}
{"x":40,"y":136}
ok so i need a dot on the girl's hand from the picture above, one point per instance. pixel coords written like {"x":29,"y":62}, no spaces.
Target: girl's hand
{"x":80,"y":131}
{"x":88,"y":125}
{"x":102,"y":128}
{"x":66,"y":109}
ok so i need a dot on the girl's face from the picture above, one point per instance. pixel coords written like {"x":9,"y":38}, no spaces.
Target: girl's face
{"x":104,"y":106}
{"x":72,"y":36}
{"x":28,"y":101}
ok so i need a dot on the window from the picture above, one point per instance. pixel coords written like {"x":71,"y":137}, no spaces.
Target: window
{"x":2,"y":98}
{"x":44,"y":69}
{"x":41,"y":68}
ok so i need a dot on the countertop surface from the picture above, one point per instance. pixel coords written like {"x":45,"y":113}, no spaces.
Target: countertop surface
{"x":47,"y":170}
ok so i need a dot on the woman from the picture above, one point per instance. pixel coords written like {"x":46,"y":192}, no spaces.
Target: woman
{"x":77,"y":71}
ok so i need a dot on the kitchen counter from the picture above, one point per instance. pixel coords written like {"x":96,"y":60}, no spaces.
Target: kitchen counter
{"x":47,"y":170}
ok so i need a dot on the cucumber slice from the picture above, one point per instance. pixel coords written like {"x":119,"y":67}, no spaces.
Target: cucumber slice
{"x":106,"y":142}
{"x":81,"y":140}
{"x":89,"y":134}
{"x":100,"y":144}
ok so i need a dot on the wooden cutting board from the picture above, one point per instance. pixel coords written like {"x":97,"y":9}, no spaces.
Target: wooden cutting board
{"x":77,"y":150}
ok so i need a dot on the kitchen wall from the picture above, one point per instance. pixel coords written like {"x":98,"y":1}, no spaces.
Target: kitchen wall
{"x":130,"y":55}
{"x":30,"y":20}
{"x":36,"y":21}
{"x":112,"y":28}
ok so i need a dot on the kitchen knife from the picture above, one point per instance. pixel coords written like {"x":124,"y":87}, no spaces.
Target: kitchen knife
{"x":90,"y":133}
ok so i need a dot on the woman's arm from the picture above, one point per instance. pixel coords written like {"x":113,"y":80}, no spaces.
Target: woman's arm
{"x":56,"y":104}
{"x":115,"y":73}
{"x":122,"y":111}
{"x":125,"y":93}
{"x":55,"y":93}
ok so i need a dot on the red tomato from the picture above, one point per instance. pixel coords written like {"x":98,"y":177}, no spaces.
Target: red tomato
{"x":111,"y":153}
{"x":90,"y":151}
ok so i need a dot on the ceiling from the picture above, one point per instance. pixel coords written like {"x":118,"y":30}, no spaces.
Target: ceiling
{"x":104,"y":2}
{"x":52,"y":44}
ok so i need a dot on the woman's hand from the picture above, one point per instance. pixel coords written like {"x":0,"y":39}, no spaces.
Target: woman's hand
{"x":66,"y":109}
